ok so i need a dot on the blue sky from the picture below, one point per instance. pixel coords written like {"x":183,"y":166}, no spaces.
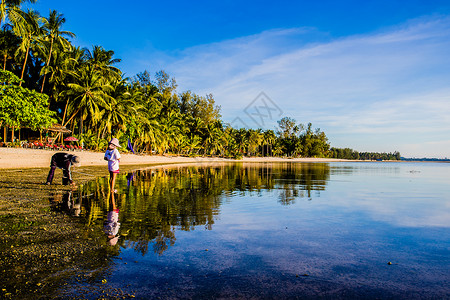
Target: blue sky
{"x":374,"y":75}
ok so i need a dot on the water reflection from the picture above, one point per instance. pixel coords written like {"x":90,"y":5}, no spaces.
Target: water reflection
{"x":112,"y":225}
{"x":299,"y":180}
{"x":65,"y":202}
{"x":154,"y":203}
{"x":338,"y":224}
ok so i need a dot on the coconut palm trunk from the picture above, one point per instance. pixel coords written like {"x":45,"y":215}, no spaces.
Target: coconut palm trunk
{"x":24,"y":64}
{"x":47,"y":64}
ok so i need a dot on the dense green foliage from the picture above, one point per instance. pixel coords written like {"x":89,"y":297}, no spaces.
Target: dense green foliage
{"x":21,"y":107}
{"x":90,"y":96}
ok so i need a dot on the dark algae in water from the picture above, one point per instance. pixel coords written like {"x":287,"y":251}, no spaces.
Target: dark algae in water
{"x":42,"y":249}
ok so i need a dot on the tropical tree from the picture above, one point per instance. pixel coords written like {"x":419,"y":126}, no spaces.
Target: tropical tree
{"x":288,"y":134}
{"x":146,"y":129}
{"x":269,"y":139}
{"x":62,"y":70}
{"x":255,"y":139}
{"x":214,"y":139}
{"x":288,"y":128}
{"x":231,"y":148}
{"x":54,"y":34}
{"x":314,"y":144}
{"x":122,"y":106}
{"x":102,"y":62}
{"x":27,"y":26}
{"x":241,"y":142}
{"x":21,"y":107}
{"x":9,"y":42}
{"x":196,"y":131}
{"x":172,"y":131}
{"x":88,"y":96}
{"x":9,"y":8}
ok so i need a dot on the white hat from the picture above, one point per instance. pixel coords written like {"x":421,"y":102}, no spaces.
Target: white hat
{"x":115,"y":142}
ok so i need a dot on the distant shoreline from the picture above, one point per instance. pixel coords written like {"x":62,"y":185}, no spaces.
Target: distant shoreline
{"x":425,"y":159}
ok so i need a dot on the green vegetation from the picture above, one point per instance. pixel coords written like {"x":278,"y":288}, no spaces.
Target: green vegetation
{"x":21,"y":107}
{"x":90,"y":96}
{"x":348,"y":153}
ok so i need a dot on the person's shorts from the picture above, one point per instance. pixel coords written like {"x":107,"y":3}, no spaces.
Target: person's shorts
{"x":116,"y":171}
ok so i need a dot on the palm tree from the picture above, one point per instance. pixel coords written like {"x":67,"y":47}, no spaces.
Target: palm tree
{"x":62,"y":68}
{"x":240,"y":139}
{"x":89,"y":96}
{"x":231,"y":146}
{"x":214,"y":140}
{"x":255,"y":138}
{"x":122,"y":108}
{"x":62,"y":73}
{"x":102,"y":62}
{"x":145,"y":128}
{"x":147,"y":133}
{"x":196,"y":128}
{"x":8,"y":45}
{"x":171,"y":124}
{"x":10,"y":7}
{"x":26,"y":25}
{"x":52,"y":28}
{"x":269,"y":140}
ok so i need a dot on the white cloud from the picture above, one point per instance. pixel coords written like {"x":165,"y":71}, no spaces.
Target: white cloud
{"x":373,"y":87}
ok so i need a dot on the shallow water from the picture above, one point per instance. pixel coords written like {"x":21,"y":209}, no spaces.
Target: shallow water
{"x":286,"y":230}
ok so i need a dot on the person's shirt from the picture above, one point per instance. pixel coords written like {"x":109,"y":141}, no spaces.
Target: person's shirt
{"x":113,"y":156}
{"x":111,"y":225}
{"x":63,"y":160}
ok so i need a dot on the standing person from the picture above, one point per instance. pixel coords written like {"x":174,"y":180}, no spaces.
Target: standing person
{"x":63,"y":161}
{"x":112,"y":155}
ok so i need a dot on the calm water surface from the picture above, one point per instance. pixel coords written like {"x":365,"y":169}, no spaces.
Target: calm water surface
{"x":274,"y":231}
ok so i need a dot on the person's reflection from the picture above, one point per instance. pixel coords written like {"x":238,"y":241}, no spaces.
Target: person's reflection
{"x":130,"y":179}
{"x":66,"y":203}
{"x":112,"y":225}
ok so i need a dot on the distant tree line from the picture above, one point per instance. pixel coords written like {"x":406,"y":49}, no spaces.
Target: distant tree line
{"x":425,"y":159}
{"x":347,"y":153}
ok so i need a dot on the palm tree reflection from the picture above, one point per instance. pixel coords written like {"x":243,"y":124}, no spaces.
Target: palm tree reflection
{"x":158,"y":202}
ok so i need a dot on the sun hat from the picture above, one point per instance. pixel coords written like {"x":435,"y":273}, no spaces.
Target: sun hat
{"x":115,"y":142}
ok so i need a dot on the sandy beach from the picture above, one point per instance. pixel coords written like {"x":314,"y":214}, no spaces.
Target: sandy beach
{"x":19,"y":158}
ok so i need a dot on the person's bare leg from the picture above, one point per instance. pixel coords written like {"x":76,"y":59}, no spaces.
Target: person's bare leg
{"x":112,"y":181}
{"x":113,"y":201}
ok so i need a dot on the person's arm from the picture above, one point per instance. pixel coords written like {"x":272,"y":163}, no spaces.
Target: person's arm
{"x":117,"y":155}
{"x":67,"y":171}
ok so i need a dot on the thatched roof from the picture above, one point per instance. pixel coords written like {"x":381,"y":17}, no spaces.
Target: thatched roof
{"x":59,"y":128}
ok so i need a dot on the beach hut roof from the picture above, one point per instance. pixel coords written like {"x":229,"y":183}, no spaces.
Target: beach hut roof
{"x":59,"y":128}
